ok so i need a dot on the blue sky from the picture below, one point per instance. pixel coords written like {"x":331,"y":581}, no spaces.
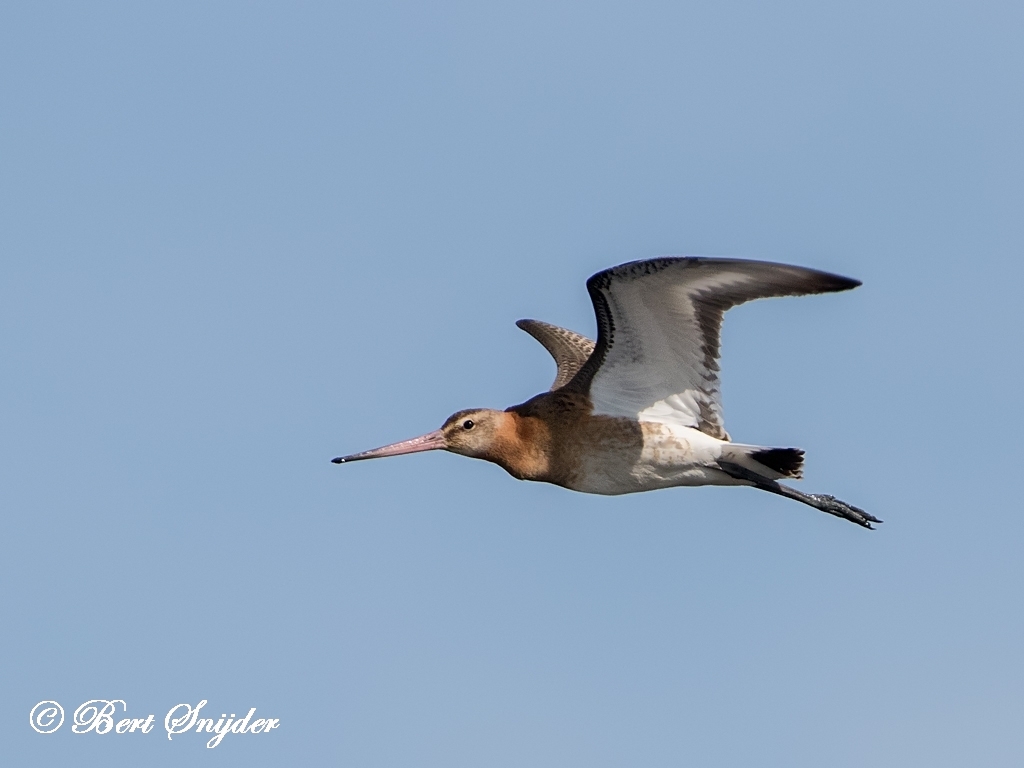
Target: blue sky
{"x":242,"y":238}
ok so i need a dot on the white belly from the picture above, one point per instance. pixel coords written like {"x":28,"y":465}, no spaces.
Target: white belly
{"x":671,"y":455}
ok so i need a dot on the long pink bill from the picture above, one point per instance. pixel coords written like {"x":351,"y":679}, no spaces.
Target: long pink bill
{"x":430,"y":442}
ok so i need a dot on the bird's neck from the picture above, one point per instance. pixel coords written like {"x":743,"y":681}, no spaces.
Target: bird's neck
{"x":522,"y":447}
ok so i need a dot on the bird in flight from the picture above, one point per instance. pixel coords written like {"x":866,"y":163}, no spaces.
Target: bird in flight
{"x":640,"y":408}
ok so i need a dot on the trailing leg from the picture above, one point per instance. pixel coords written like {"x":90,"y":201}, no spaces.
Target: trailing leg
{"x":824,"y":502}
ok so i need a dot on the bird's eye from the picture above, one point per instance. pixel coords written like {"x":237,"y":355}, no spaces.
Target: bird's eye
{"x":467,"y":424}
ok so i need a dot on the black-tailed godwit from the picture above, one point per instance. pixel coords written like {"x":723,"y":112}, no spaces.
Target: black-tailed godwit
{"x":640,"y":409}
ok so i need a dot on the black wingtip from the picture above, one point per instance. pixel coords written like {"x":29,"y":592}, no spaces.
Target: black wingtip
{"x":847,"y":283}
{"x":339,"y":460}
{"x":829,"y":282}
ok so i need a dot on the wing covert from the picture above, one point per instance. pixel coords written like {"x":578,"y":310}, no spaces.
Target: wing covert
{"x":569,"y":349}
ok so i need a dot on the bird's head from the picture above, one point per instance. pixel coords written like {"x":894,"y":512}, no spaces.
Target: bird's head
{"x":477,"y":432}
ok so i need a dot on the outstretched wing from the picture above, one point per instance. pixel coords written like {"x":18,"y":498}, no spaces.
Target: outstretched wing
{"x":569,"y":349}
{"x":659,"y":324}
